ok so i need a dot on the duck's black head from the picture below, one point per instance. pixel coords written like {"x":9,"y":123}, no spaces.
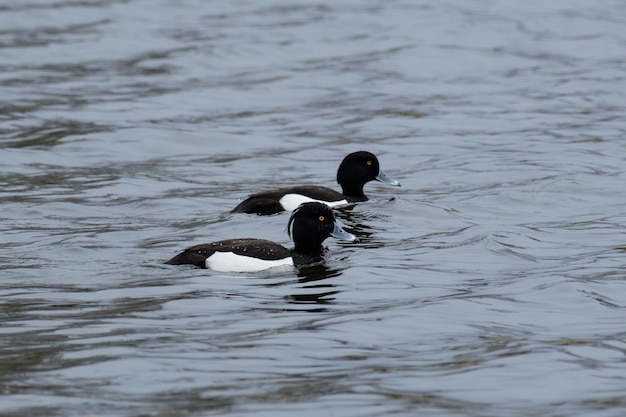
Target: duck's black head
{"x":312,"y":223}
{"x":357,"y":169}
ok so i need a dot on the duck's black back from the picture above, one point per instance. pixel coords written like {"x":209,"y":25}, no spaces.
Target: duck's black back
{"x":256,"y":248}
{"x":268,"y":202}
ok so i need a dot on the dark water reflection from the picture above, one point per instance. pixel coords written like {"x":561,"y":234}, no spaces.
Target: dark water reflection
{"x":490,"y":284}
{"x":315,"y":280}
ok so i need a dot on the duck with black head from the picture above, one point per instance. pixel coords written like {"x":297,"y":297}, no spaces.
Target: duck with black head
{"x":356,"y":170}
{"x":309,"y":225}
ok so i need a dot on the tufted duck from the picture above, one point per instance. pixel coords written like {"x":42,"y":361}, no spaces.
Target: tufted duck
{"x":309,"y":225}
{"x":355,"y":171}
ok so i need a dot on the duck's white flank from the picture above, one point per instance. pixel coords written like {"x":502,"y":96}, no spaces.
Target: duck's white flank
{"x":231,"y":262}
{"x":291,"y":201}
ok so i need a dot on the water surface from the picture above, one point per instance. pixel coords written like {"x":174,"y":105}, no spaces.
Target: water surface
{"x":489,"y":284}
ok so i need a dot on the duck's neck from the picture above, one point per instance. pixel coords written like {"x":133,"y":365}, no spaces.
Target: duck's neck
{"x":306,"y":254}
{"x":353,"y":191}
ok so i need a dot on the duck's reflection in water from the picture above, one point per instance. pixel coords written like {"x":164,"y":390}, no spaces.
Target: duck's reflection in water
{"x":315,"y":286}
{"x":312,"y":286}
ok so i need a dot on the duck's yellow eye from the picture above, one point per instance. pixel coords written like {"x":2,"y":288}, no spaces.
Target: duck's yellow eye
{"x":369,"y":162}
{"x":321,"y":218}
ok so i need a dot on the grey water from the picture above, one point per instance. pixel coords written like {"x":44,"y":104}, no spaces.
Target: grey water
{"x":491,"y":283}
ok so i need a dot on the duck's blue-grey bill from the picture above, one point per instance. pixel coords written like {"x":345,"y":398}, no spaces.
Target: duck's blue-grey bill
{"x":339,"y":233}
{"x":382,"y":177}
